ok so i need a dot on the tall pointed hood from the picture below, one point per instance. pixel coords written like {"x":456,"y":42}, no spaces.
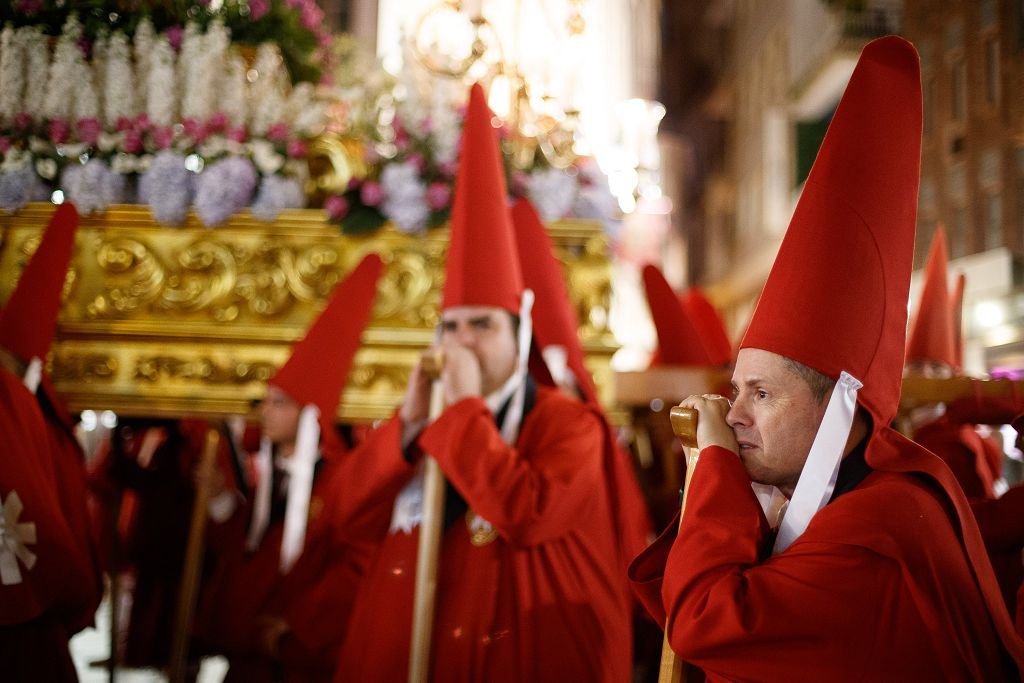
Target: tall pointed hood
{"x":554,"y":319}
{"x":836,"y":298}
{"x":319,"y":364}
{"x":314,"y":377}
{"x":29,"y":318}
{"x":679,"y":338}
{"x":932,"y":337}
{"x":956,"y":304}
{"x":482,"y":267}
{"x":709,"y":324}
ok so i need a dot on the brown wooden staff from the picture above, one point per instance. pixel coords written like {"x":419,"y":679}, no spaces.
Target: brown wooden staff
{"x":193,"y":560}
{"x":428,"y":552}
{"x":919,"y":390}
{"x":684,"y":425}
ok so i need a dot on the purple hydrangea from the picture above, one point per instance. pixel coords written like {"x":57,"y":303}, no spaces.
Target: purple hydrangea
{"x":277,"y":192}
{"x":92,"y":186}
{"x":19,"y":186}
{"x":167,"y":187}
{"x":225,"y":187}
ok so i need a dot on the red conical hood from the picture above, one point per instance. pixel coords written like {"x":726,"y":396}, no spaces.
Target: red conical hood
{"x":931,"y":333}
{"x":482,"y":267}
{"x":956,"y":304}
{"x":29,"y":318}
{"x":319,"y":365}
{"x":710,"y":326}
{"x":554,"y":319}
{"x":836,"y":298}
{"x":679,"y":339}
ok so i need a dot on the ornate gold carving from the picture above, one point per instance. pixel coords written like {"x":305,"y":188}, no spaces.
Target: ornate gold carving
{"x":154,"y":369}
{"x":84,"y":367}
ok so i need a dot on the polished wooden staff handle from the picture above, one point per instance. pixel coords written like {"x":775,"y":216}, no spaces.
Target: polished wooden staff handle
{"x":684,"y":424}
{"x":432,"y":362}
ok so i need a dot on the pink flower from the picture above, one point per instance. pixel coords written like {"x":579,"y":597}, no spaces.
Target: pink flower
{"x":296,"y":149}
{"x":312,"y":16}
{"x":258,"y":8}
{"x":371,"y":193}
{"x":59,"y":131}
{"x":217,"y":122}
{"x":238,"y":134}
{"x":195,"y":130}
{"x":336,"y":207}
{"x":438,"y":195}
{"x":448,"y":168}
{"x":174,"y":35}
{"x":89,"y":130}
{"x":520,"y":182}
{"x":123,"y":123}
{"x":401,"y":135}
{"x":5,"y":144}
{"x":132,"y":142}
{"x":278,"y":132}
{"x":353,"y":183}
{"x":142,"y":121}
{"x":163,"y":136}
{"x":23,"y":120}
{"x":417,"y":160}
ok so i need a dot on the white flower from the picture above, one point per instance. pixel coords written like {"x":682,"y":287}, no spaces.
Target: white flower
{"x":46,"y":168}
{"x":405,"y":197}
{"x":213,"y":146}
{"x":552,"y":192}
{"x":16,"y":159}
{"x":124,"y":163}
{"x":232,"y":101}
{"x":62,"y":81}
{"x":160,"y":84}
{"x":266,"y":97}
{"x":190,"y":59}
{"x":12,"y":75}
{"x":266,"y":159}
{"x":118,"y":81}
{"x":37,"y":57}
{"x":143,"y":43}
{"x":109,"y":141}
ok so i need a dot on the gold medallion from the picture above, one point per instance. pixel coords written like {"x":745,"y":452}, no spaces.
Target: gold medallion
{"x":480,"y":530}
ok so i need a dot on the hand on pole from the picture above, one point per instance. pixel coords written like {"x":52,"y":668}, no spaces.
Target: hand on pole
{"x":712,"y":427}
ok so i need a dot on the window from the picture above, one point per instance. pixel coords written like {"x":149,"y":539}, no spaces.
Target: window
{"x":992,"y":71}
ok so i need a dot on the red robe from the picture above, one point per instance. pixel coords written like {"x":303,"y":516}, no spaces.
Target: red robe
{"x":541,"y":602}
{"x":974,"y":462}
{"x":37,"y":612}
{"x":877,"y":588}
{"x":314,"y":597}
{"x":72,"y":492}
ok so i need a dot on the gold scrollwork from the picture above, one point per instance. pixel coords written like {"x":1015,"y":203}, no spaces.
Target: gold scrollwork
{"x":410,"y":292}
{"x":137,"y":274}
{"x":84,"y":367}
{"x":380,"y":377}
{"x":153,"y":369}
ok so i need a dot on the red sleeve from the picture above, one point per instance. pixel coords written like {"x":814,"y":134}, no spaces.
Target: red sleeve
{"x":527,"y":496}
{"x":1001,"y":520}
{"x":733,"y":615}
{"x":363,"y":489}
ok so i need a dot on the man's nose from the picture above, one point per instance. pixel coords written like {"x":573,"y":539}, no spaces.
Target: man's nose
{"x":738,"y":414}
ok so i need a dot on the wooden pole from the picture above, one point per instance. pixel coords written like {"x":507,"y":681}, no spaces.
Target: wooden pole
{"x":193,"y":560}
{"x":684,"y":424}
{"x":428,"y":552}
{"x":919,"y":390}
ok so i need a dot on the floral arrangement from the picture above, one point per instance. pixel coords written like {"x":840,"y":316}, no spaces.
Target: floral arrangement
{"x":212,"y":106}
{"x":167,"y":118}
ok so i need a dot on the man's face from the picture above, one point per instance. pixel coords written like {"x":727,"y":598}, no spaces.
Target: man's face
{"x":279,"y":417}
{"x":929,"y":369}
{"x":487,"y":332}
{"x":775,"y":416}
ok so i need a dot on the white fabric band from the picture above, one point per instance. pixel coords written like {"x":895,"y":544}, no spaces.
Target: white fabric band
{"x":33,"y":374}
{"x":300,"y":486}
{"x":261,"y":499}
{"x":818,"y":478}
{"x":14,"y":539}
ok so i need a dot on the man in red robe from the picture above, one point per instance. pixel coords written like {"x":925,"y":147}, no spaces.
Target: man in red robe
{"x":27,"y":325}
{"x":949,"y":431}
{"x":285,"y":580}
{"x":529,"y":580}
{"x":877,"y":570}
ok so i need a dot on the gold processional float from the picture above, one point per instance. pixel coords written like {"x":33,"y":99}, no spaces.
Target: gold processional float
{"x":190,"y":320}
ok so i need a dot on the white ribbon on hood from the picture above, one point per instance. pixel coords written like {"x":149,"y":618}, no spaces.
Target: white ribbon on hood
{"x":818,"y":478}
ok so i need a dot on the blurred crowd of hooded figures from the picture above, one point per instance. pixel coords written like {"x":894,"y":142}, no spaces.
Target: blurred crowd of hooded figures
{"x":816,"y":541}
